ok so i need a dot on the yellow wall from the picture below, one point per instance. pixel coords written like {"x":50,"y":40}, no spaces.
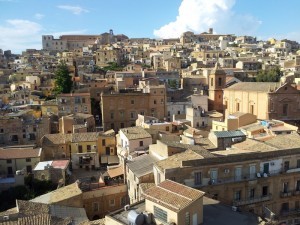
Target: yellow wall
{"x":75,"y":147}
{"x":17,"y":164}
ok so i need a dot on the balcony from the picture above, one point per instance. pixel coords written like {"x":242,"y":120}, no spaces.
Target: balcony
{"x":296,"y":192}
{"x":286,"y":194}
{"x":252,"y":200}
{"x":290,"y":212}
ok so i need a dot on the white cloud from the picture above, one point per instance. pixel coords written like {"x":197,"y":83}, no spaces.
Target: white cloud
{"x":39,"y":16}
{"x":77,"y":10}
{"x":199,"y":15}
{"x":19,"y":35}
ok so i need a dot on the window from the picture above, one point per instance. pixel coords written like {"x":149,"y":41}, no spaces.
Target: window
{"x":122,"y":125}
{"x":220,"y":81}
{"x":285,"y":207}
{"x":28,"y":169}
{"x":160,"y":214}
{"x":112,"y":115}
{"x":187,"y":218}
{"x":83,"y":100}
{"x":211,"y":81}
{"x":79,"y":148}
{"x":95,"y":206}
{"x":285,"y":109}
{"x":285,"y":187}
{"x":154,"y":102}
{"x":123,"y":201}
{"x":252,"y":109}
{"x":265,"y":191}
{"x":112,"y":126}
{"x":252,"y":171}
{"x":298,"y":185}
{"x":132,"y":101}
{"x":286,"y":165}
{"x":8,"y":161}
{"x":213,"y":175}
{"x":237,"y":195}
{"x":1,"y":130}
{"x":197,"y":178}
{"x":112,"y":202}
{"x":251,"y":193}
{"x":238,"y":173}
{"x":141,"y":143}
{"x":28,"y":159}
{"x":237,"y":108}
{"x":88,"y":148}
{"x":107,"y":151}
{"x":298,"y":163}
{"x":103,"y":142}
{"x":132,"y":115}
{"x":122,"y":114}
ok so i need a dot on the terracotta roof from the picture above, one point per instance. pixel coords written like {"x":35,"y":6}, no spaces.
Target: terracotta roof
{"x":133,"y":133}
{"x":172,"y":195}
{"x":59,"y":195}
{"x":20,"y":153}
{"x":56,"y":139}
{"x":254,"y":86}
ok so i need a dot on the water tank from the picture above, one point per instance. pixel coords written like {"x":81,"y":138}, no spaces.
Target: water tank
{"x":135,"y":218}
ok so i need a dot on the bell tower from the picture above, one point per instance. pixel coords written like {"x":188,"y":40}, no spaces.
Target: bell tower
{"x":216,"y":82}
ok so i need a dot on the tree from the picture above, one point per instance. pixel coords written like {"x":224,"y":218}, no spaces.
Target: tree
{"x":271,"y":75}
{"x":63,"y":80}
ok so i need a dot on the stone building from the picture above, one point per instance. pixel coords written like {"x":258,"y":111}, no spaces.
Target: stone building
{"x":264,"y":99}
{"x":252,"y":175}
{"x":73,"y":103}
{"x":121,"y":109}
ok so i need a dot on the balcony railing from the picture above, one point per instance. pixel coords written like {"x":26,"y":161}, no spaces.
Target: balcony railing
{"x":286,"y":194}
{"x":290,"y":212}
{"x":248,"y":177}
{"x":252,"y":200}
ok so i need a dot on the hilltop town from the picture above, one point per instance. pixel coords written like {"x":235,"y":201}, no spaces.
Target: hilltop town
{"x":108,"y":129}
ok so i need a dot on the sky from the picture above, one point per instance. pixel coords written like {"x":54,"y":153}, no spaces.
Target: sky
{"x":23,"y":22}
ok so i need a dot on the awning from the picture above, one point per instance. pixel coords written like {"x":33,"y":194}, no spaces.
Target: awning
{"x":115,"y":172}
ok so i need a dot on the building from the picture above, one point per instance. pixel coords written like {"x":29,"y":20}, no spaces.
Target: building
{"x":97,"y":199}
{"x":252,"y":175}
{"x":56,"y":171}
{"x":77,"y":123}
{"x":132,"y":141}
{"x":73,"y":103}
{"x":266,"y":100}
{"x":121,"y":109}
{"x":27,"y":212}
{"x":139,"y":170}
{"x":21,"y":158}
{"x":217,"y":81}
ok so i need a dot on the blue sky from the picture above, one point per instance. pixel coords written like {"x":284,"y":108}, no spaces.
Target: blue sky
{"x":23,"y":22}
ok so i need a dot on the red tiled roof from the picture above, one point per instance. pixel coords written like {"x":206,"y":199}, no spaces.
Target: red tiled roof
{"x":19,"y":153}
{"x":60,"y":164}
{"x":172,"y":195}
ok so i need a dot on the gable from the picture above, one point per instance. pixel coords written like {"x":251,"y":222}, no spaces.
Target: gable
{"x":287,"y":89}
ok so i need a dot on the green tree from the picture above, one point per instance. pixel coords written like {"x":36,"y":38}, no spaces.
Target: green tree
{"x":63,"y":80}
{"x":271,"y":75}
{"x":113,"y":66}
